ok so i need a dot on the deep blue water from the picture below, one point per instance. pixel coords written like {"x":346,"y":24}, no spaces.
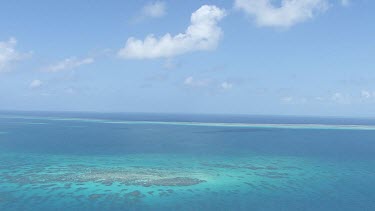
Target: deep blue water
{"x":50,"y":161}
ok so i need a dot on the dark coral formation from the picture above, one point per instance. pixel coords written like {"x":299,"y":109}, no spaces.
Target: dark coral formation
{"x":269,"y":171}
{"x":275,"y":175}
{"x":95,"y":196}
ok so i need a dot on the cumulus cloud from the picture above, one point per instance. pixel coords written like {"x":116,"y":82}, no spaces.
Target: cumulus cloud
{"x":202,"y":34}
{"x":68,"y":63}
{"x":8,"y":54}
{"x":35,"y":84}
{"x":289,"y":13}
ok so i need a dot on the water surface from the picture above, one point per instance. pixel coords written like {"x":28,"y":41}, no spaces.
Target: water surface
{"x":170,"y":162}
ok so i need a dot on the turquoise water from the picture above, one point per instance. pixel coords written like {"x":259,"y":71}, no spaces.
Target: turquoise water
{"x":185,"y":163}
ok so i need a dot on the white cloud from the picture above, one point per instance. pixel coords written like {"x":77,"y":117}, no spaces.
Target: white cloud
{"x":287,"y":99}
{"x":192,"y":82}
{"x":207,"y":84}
{"x":345,"y":3}
{"x":35,"y":84}
{"x":8,"y":54}
{"x":154,"y":9}
{"x":341,"y":98}
{"x":366,"y":94}
{"x":226,"y":85}
{"x":69,"y":91}
{"x":189,"y":80}
{"x":202,"y":34}
{"x":294,"y":100}
{"x":289,"y":13}
{"x":319,"y":99}
{"x":69,"y":63}
{"x":171,"y":64}
{"x":337,"y":96}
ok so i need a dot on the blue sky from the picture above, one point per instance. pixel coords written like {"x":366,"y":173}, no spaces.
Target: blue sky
{"x":290,"y":57}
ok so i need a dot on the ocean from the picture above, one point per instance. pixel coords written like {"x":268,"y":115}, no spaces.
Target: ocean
{"x":93,"y":161}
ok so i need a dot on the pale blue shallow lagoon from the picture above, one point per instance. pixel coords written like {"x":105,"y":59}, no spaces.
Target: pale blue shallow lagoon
{"x":185,"y":162}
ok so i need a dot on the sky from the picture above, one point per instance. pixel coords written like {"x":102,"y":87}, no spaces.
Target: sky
{"x":283,"y":57}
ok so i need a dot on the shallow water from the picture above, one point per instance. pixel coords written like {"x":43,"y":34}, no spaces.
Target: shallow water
{"x":120,"y":164}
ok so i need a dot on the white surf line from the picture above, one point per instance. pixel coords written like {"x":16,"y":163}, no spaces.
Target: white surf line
{"x":207,"y":124}
{"x":28,"y":123}
{"x":52,"y":118}
{"x":247,"y":125}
